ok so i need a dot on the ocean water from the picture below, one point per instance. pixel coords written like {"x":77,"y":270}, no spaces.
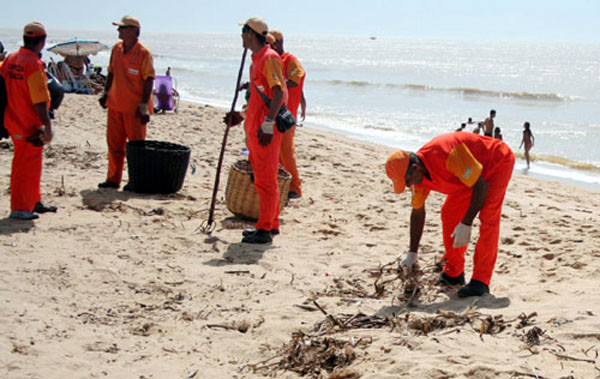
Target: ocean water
{"x":402,"y":92}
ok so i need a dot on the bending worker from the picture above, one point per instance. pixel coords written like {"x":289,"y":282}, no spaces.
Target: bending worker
{"x":27,"y":121}
{"x":294,"y":74}
{"x":473,"y":171}
{"x":127,"y":97}
{"x":263,"y":138}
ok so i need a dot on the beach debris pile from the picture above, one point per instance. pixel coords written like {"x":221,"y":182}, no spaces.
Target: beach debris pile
{"x":405,"y":285}
{"x":315,"y":356}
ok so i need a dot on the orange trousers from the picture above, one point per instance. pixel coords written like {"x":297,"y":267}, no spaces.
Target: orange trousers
{"x":265,"y":164}
{"x":25,"y":176}
{"x":288,"y":160}
{"x":120,"y":128}
{"x":486,"y":249}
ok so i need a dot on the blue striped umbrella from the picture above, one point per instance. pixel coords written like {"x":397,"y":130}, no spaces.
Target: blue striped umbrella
{"x":78,"y":48}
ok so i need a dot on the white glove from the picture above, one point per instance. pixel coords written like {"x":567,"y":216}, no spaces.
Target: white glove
{"x":267,"y":126}
{"x":143,"y":109}
{"x":461,"y":235}
{"x":410,"y":260}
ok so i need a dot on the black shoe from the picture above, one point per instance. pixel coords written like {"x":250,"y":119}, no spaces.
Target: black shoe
{"x":259,"y":236}
{"x":108,"y":184}
{"x":128,"y":187}
{"x":293,"y":195}
{"x":250,"y":231}
{"x":446,"y":280}
{"x":474,"y":288}
{"x":41,"y":208}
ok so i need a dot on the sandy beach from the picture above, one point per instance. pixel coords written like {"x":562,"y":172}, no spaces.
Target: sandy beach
{"x":123,"y":285}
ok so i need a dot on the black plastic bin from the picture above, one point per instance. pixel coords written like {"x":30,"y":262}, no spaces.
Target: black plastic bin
{"x":156,"y":166}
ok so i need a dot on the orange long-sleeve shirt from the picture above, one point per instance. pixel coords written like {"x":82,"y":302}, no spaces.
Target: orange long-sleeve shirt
{"x":455,"y":161}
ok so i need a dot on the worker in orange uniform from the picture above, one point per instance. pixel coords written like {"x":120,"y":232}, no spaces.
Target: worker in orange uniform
{"x":473,"y":171}
{"x":127,"y":96}
{"x":263,"y":138}
{"x":295,"y":75}
{"x":27,"y":121}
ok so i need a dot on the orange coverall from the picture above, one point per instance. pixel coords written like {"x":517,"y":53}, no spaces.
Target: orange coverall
{"x":455,"y":161}
{"x":130,"y":71}
{"x":265,"y":73}
{"x":26,"y":85}
{"x":293,"y":71}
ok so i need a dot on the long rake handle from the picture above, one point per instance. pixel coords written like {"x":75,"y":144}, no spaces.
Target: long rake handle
{"x":211,"y":212}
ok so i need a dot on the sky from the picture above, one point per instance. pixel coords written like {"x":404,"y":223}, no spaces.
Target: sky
{"x":526,"y":20}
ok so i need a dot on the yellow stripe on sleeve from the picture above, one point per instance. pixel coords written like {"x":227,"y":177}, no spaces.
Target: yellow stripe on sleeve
{"x":38,"y":89}
{"x":419,"y":194}
{"x":463,"y":164}
{"x":273,"y":73}
{"x":295,"y":71}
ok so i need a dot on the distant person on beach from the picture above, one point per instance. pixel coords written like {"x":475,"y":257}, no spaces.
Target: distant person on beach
{"x":462,"y":127}
{"x":470,"y":121}
{"x":3,"y":96}
{"x":27,"y":121}
{"x":488,"y":124}
{"x":294,"y":74}
{"x":2,"y":52}
{"x":528,"y":140}
{"x":497,"y":133}
{"x":477,"y":129}
{"x":168,"y":73}
{"x":473,"y":172}
{"x":127,"y":96}
{"x":262,"y":137}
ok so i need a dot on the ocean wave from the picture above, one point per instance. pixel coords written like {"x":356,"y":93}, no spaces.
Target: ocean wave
{"x":560,"y":161}
{"x":466,"y":91}
{"x":489,"y":93}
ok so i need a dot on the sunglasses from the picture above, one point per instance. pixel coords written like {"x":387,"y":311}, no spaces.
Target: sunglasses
{"x":246,"y":28}
{"x":121,"y":27}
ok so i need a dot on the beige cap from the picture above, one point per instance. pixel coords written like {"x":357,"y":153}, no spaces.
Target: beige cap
{"x":277,"y":34}
{"x":128,"y":21}
{"x":34,"y":29}
{"x":258,"y":25}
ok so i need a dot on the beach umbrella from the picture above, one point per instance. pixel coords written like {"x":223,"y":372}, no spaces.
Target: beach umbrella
{"x":78,"y":48}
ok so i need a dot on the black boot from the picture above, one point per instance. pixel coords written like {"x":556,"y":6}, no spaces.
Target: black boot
{"x":259,"y":236}
{"x":41,"y":208}
{"x":446,"y":280}
{"x":474,"y":288}
{"x":250,"y":231}
{"x":108,"y":184}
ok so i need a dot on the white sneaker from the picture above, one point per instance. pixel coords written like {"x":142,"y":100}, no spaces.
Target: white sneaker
{"x":23,"y":215}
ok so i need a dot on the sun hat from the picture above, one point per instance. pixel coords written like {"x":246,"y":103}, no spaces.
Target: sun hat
{"x":128,"y":21}
{"x":258,"y":25}
{"x":34,"y":29}
{"x":396,"y":167}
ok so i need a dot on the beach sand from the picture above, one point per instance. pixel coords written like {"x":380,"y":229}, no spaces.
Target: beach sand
{"x":123,"y":285}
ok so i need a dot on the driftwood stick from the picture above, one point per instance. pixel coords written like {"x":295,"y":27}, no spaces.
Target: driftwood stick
{"x":331,"y":317}
{"x":517,"y":373}
{"x":226,"y":327}
{"x":569,"y":358}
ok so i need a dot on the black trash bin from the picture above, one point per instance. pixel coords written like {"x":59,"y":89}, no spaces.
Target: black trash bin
{"x":156,"y":166}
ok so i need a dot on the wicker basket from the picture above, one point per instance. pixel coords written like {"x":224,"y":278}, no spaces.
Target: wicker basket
{"x":240,"y":195}
{"x":156,"y":166}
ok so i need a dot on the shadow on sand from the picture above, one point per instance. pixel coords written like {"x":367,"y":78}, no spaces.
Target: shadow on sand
{"x":240,"y":254}
{"x":10,"y":226}
{"x":98,"y":199}
{"x":454,"y":303}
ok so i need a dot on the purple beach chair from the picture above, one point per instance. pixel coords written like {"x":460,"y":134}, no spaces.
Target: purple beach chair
{"x":166,"y":98}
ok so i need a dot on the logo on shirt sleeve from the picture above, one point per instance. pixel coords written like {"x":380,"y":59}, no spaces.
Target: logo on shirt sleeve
{"x":467,"y":173}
